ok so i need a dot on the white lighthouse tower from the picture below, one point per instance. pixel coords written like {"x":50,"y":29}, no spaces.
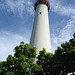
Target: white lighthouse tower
{"x":40,"y":37}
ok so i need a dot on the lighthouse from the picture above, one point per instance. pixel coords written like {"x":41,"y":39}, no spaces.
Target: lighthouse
{"x":40,"y":36}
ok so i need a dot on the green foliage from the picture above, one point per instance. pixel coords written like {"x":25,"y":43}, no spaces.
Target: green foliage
{"x":25,"y":49}
{"x":45,"y":59}
{"x":22,"y":62}
{"x":65,"y":58}
{"x":9,"y":73}
{"x":74,"y":35}
{"x":60,"y":63}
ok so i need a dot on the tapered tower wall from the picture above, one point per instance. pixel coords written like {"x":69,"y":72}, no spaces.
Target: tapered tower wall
{"x":40,"y":37}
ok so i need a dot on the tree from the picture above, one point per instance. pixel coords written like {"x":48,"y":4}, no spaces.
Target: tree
{"x":65,"y":58}
{"x":22,"y":63}
{"x":60,"y":63}
{"x":45,"y":59}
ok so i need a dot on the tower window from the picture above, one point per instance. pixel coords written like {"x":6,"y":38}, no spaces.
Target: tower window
{"x":40,"y":12}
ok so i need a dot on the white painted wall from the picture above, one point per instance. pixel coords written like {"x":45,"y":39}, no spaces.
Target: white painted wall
{"x":40,"y":37}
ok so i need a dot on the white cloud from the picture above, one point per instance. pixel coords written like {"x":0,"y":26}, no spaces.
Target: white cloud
{"x":73,"y":17}
{"x":65,"y":33}
{"x":18,"y":7}
{"x":8,"y":41}
{"x":58,"y":7}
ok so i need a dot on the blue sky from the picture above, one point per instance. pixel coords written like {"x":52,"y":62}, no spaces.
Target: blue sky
{"x":16,"y":21}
